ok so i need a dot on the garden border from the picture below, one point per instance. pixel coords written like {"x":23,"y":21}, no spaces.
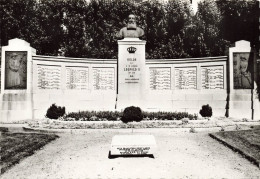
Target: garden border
{"x":246,"y":155}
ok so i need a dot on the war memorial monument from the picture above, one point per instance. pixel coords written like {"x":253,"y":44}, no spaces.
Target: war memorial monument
{"x":160,"y":59}
{"x":30,"y":83}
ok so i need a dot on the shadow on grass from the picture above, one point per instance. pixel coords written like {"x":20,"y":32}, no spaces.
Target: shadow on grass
{"x":245,"y":142}
{"x":16,"y":146}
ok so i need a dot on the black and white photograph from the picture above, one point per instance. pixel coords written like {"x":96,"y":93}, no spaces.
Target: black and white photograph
{"x":135,"y":89}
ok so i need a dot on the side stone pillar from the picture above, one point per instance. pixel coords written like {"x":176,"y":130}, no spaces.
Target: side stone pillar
{"x":256,"y":97}
{"x":241,"y":81}
{"x":16,"y":101}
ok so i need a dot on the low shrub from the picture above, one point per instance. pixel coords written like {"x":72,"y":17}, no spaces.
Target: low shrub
{"x":131,"y":114}
{"x":54,"y":112}
{"x":206,"y":111}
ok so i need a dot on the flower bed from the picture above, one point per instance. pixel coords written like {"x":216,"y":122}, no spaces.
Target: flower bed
{"x":115,"y":116}
{"x":221,"y":122}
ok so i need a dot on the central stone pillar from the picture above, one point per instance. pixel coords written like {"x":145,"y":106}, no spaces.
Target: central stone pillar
{"x":131,"y":73}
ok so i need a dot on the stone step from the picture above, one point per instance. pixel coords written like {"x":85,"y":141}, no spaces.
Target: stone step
{"x":9,"y":116}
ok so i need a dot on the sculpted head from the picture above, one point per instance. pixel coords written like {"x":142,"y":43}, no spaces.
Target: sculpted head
{"x":15,"y":62}
{"x":131,"y":19}
{"x":243,"y":64}
{"x":131,"y":30}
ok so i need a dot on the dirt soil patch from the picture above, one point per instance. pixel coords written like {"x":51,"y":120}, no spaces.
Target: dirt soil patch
{"x":181,"y":154}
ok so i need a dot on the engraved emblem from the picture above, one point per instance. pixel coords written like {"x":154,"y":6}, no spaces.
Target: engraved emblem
{"x":131,"y":49}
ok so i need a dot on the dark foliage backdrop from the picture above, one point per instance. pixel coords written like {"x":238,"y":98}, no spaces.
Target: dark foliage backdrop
{"x":88,"y":28}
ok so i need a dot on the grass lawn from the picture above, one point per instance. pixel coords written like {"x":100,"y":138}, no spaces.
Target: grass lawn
{"x":246,"y":142}
{"x":16,"y":146}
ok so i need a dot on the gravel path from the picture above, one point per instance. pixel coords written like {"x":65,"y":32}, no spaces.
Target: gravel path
{"x":84,"y":154}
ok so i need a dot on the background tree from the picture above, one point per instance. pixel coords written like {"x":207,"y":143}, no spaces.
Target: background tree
{"x":48,"y":37}
{"x":75,"y":35}
{"x":239,"y":20}
{"x":17,"y":18}
{"x":203,"y":33}
{"x":89,"y":28}
{"x":152,"y":20}
{"x":103,"y":21}
{"x":36,"y":21}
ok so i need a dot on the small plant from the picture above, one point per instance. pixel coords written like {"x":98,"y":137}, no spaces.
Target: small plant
{"x":131,"y":114}
{"x":206,"y":111}
{"x":185,"y":120}
{"x":54,"y":112}
{"x":3,"y":129}
{"x":245,"y":120}
{"x":192,"y":130}
{"x":93,"y":118}
{"x":222,"y":129}
{"x":238,"y":127}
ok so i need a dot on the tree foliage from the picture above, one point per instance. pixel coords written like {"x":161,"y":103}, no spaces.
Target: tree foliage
{"x":203,"y":34}
{"x":240,"y":20}
{"x":89,"y":28}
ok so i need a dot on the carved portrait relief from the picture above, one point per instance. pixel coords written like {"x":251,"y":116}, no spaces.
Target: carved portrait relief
{"x":15,"y":70}
{"x":242,"y":65}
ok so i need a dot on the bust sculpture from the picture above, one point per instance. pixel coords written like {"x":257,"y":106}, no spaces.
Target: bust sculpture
{"x":131,"y":30}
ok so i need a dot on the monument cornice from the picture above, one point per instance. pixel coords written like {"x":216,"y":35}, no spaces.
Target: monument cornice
{"x":186,"y":60}
{"x":132,"y":41}
{"x":74,"y":60}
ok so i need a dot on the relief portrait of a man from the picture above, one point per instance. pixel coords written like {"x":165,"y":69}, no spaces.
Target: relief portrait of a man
{"x":242,"y":71}
{"x":15,"y":70}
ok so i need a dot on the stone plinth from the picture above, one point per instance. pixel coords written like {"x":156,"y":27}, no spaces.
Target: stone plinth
{"x":131,"y":72}
{"x":133,"y":145}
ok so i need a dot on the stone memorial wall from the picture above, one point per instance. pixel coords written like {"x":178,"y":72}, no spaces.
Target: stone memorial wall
{"x":212,"y":77}
{"x":91,"y":84}
{"x":49,"y":77}
{"x":77,"y":78}
{"x":160,"y":78}
{"x":66,"y":76}
{"x":186,"y":78}
{"x":187,"y":84}
{"x":76,"y":83}
{"x":104,"y":78}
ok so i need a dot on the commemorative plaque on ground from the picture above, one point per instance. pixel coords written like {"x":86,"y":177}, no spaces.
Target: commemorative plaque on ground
{"x":125,"y":145}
